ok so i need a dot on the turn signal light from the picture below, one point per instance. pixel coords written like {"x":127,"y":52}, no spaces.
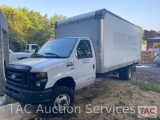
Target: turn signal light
{"x":41,"y":75}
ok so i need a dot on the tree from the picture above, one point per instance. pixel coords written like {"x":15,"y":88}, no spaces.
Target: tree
{"x":29,"y":25}
{"x":42,"y":27}
{"x":18,"y":22}
{"x":53,"y":19}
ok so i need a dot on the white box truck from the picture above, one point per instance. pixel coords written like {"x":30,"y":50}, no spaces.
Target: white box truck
{"x":95,"y":42}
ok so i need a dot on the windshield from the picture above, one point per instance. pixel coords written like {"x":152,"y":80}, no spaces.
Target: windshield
{"x":58,"y":47}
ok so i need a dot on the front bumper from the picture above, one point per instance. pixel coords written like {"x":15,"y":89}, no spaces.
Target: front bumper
{"x":28,"y":96}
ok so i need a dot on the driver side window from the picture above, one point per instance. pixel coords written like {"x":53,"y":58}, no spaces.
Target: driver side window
{"x":84,"y":49}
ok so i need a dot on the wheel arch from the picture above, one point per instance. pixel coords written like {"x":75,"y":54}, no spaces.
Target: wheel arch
{"x":67,"y":82}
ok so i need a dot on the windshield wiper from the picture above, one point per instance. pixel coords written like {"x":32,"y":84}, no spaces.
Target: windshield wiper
{"x":52,"y":54}
{"x":37,"y":54}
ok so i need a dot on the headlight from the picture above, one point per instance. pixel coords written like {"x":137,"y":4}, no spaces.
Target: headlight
{"x":39,"y":80}
{"x":40,"y":83}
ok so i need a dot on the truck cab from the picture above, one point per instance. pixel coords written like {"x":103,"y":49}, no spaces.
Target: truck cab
{"x":50,"y":76}
{"x":32,"y":48}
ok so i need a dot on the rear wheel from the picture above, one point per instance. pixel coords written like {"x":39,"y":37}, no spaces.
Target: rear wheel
{"x":125,"y":73}
{"x":62,"y":98}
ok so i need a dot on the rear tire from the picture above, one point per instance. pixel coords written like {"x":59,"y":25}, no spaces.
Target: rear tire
{"x":62,"y":98}
{"x":125,"y":73}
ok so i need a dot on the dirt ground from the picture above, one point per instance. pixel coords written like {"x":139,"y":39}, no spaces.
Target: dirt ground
{"x":91,"y":101}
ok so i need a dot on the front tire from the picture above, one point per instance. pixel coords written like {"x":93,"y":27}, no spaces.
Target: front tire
{"x":62,"y":98}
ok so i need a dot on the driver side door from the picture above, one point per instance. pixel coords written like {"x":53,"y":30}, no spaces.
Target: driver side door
{"x":85,"y":63}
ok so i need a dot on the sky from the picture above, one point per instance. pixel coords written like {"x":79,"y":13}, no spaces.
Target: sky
{"x":144,"y":13}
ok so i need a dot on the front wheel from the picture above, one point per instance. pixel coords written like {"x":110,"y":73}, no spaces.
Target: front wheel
{"x":62,"y":99}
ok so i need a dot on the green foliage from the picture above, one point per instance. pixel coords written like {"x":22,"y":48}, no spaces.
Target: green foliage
{"x":147,"y":86}
{"x":25,"y":24}
{"x":18,"y":22}
{"x":8,"y":100}
{"x":129,"y":92}
{"x":54,"y":18}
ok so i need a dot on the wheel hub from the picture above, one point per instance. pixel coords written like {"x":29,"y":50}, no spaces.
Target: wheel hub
{"x":61,"y":102}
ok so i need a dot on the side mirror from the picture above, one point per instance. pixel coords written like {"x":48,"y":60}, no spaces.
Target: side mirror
{"x":36,"y":50}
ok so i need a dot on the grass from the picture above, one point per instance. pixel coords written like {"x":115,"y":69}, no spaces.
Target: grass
{"x":129,"y":91}
{"x":147,"y":86}
{"x":8,"y":100}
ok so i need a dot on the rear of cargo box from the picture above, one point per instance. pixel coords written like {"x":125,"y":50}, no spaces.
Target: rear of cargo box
{"x":121,"y":42}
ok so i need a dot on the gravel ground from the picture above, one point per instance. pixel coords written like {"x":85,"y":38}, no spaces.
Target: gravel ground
{"x":107,"y":91}
{"x":147,"y":73}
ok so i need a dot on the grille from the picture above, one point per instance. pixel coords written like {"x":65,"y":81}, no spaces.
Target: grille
{"x":19,"y":77}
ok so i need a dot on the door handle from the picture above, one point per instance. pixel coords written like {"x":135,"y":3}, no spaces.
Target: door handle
{"x":93,"y":66}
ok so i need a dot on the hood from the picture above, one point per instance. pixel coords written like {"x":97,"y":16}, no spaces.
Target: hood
{"x":21,"y":53}
{"x":39,"y":64}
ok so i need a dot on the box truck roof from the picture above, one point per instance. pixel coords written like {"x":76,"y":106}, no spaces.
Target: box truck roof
{"x":98,"y":14}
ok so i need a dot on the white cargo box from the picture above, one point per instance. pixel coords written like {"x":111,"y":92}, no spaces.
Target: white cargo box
{"x":116,"y":41}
